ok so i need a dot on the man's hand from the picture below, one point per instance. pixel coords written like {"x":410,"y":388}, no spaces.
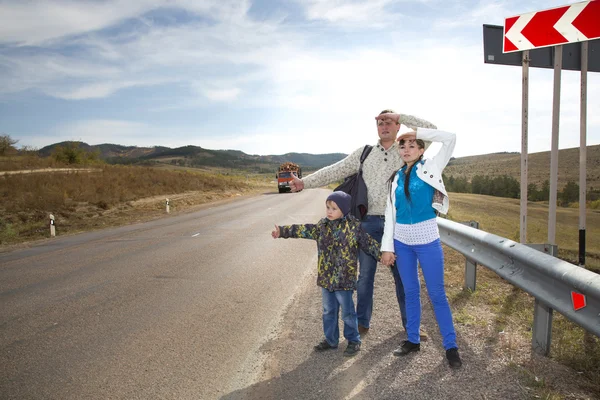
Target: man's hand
{"x":393,"y":116}
{"x":276,"y":232}
{"x":296,"y":184}
{"x":388,"y":258}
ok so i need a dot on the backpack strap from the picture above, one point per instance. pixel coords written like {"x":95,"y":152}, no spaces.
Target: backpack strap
{"x":365,"y":153}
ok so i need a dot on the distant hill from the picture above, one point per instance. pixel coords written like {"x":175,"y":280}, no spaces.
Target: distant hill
{"x":538,"y":170}
{"x":195,"y":156}
{"x":496,"y":164}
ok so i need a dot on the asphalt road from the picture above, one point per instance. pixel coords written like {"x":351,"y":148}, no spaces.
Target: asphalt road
{"x":176,"y":308}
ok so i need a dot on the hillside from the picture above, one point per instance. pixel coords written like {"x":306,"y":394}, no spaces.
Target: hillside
{"x":195,"y":156}
{"x":491,"y":165}
{"x":498,"y":164}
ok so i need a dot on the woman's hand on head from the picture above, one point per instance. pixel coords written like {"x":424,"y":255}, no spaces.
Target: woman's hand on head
{"x":407,"y":136}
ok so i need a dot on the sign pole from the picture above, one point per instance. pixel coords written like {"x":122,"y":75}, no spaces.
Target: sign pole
{"x":524,"y":145}
{"x":583,"y":152}
{"x":554,"y":148}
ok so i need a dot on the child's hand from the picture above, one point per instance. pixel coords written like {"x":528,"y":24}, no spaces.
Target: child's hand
{"x":276,"y":232}
{"x":388,"y":258}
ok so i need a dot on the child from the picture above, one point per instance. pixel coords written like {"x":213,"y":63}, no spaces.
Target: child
{"x":339,"y":237}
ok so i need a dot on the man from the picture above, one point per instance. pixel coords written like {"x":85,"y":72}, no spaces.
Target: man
{"x":378,"y":167}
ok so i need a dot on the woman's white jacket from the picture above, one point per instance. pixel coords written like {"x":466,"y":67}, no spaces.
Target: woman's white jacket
{"x":429,"y":172}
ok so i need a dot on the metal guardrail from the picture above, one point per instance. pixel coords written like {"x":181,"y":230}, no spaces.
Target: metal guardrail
{"x":550,"y":280}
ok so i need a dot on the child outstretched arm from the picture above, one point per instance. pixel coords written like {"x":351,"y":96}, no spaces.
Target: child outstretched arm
{"x":300,"y":231}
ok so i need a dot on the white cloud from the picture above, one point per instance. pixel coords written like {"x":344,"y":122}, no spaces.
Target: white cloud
{"x":37,"y":21}
{"x":33,"y":22}
{"x":322,"y":98}
{"x":222,"y":94}
{"x":102,"y":131}
{"x":371,"y":12}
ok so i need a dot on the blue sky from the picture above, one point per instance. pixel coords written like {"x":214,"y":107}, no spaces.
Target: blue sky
{"x":270,"y":77}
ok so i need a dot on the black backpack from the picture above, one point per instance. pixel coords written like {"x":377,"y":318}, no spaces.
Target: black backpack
{"x":355,"y":186}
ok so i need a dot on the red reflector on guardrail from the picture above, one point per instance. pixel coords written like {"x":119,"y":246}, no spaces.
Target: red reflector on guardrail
{"x":578,"y":300}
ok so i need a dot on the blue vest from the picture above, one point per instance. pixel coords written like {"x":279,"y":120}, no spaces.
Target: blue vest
{"x":418,"y":208}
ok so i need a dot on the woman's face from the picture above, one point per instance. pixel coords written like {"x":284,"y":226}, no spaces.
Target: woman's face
{"x":410,"y":151}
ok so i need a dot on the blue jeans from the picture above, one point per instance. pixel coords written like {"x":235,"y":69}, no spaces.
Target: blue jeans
{"x":431,"y":258}
{"x":331,"y":308}
{"x":373,"y":225}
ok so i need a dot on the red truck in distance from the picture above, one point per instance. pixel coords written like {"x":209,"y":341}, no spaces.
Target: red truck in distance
{"x":284,"y":175}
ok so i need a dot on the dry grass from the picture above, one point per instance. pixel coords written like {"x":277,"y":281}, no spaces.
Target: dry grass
{"x":28,"y":161}
{"x":107,"y":196}
{"x":500,"y":216}
{"x":503,"y":315}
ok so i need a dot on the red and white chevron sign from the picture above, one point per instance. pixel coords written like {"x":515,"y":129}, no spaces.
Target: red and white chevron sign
{"x":576,"y":22}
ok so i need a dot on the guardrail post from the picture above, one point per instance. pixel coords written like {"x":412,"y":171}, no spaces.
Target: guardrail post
{"x":52,"y":226}
{"x":470,"y":265}
{"x":541,"y":335}
{"x":167,"y":206}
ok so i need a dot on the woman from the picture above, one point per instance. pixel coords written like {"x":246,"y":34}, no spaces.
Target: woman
{"x":411,"y":232}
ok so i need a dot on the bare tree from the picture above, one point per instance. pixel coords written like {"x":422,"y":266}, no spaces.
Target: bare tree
{"x":7,"y":145}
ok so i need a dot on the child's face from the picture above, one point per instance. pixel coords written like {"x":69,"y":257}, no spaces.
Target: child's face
{"x":333,"y":211}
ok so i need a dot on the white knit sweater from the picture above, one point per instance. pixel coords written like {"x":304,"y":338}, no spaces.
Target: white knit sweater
{"x":377,"y":169}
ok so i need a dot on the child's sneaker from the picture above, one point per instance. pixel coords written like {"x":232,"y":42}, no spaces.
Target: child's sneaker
{"x":324,"y":345}
{"x":352,"y":349}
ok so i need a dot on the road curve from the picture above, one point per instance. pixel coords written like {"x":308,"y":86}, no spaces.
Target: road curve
{"x":174,"y":308}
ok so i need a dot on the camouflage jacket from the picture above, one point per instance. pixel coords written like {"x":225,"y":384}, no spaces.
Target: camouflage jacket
{"x":338,"y":243}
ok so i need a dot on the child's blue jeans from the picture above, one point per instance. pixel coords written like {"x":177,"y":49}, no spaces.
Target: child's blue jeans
{"x":431,"y":258}
{"x":331,"y":306}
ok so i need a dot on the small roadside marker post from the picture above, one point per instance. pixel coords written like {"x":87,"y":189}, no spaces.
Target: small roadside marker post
{"x":167,"y":206}
{"x":52,"y":226}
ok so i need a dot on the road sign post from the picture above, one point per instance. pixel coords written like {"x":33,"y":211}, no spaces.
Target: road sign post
{"x":554,"y":146}
{"x":558,"y":38}
{"x":524,"y":146}
{"x":52,"y":226}
{"x":582,"y":152}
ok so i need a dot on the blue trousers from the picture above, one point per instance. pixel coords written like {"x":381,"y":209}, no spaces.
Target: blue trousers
{"x":373,"y":225}
{"x":431,"y":258}
{"x":331,"y":308}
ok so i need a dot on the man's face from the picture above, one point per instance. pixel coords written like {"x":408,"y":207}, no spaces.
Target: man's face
{"x":387,"y":129}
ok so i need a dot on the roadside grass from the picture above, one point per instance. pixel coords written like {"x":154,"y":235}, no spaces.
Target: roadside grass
{"x":28,"y":160}
{"x":108,"y":196}
{"x":500,"y":216}
{"x":503,"y":315}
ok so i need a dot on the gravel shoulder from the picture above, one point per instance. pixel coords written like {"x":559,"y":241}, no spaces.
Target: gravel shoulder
{"x":491,"y":369}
